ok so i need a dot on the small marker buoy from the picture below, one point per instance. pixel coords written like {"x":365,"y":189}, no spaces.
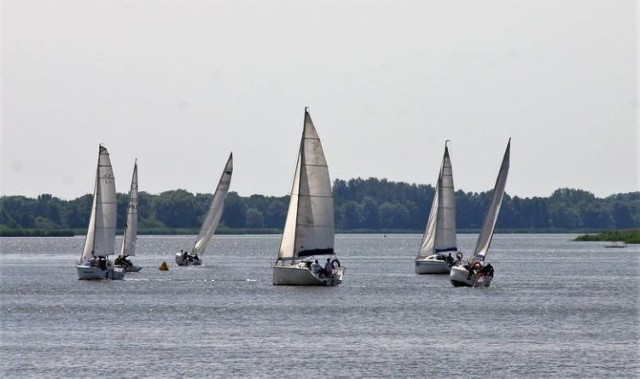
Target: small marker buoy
{"x":164,"y":267}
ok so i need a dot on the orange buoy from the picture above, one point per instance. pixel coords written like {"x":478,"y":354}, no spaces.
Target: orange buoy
{"x":164,"y":267}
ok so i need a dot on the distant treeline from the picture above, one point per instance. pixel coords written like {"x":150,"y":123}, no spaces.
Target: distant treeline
{"x":626,"y":236}
{"x":365,"y":205}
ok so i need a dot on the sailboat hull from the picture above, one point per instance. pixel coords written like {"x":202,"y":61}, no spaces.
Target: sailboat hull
{"x":298,"y":274}
{"x":460,"y":277}
{"x":126,"y":265}
{"x":88,"y":272}
{"x":431,"y":265}
{"x":181,"y":261}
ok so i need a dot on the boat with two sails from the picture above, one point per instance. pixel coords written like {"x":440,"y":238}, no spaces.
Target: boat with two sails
{"x":130,"y":237}
{"x":94,"y":263}
{"x":439,"y":238}
{"x":309,"y":230}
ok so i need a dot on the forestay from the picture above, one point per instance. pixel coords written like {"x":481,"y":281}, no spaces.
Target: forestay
{"x":309,"y":228}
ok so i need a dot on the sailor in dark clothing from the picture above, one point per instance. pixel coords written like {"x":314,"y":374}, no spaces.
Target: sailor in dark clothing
{"x":488,"y":270}
{"x":449,"y":260}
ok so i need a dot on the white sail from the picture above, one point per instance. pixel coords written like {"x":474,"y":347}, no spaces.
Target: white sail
{"x":440,"y":232}
{"x":289,"y":233}
{"x":489,"y":223}
{"x":101,"y":234}
{"x":309,"y":228}
{"x":215,"y":209}
{"x":131,"y":228}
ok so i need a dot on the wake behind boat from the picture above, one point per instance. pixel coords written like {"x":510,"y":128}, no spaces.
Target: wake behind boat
{"x":309,"y":230}
{"x":184,"y":258}
{"x":439,"y":237}
{"x":131,"y":228}
{"x":101,"y":233}
{"x":477,"y":273}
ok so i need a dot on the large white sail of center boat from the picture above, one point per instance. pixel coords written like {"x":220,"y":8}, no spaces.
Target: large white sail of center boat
{"x":128,"y":248}
{"x":309,"y":230}
{"x":101,"y":232}
{"x":439,"y":238}
{"x":211,"y":220}
{"x":476,"y":272}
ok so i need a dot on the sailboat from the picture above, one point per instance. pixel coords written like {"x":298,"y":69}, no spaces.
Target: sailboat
{"x":476,"y":272}
{"x":101,"y":233}
{"x":184,"y":258}
{"x":439,"y":236}
{"x":128,"y":248}
{"x":309,"y":228}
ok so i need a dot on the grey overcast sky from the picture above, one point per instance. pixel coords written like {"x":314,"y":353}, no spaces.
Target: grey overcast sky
{"x":179,"y":84}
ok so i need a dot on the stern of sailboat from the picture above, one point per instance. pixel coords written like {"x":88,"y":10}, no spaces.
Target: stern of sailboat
{"x":299,"y":274}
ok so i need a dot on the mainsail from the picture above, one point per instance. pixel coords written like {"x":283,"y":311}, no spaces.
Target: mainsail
{"x":101,"y":234}
{"x":131,"y":229}
{"x":215,"y":209}
{"x":309,"y":228}
{"x":489,"y":223}
{"x":440,"y":232}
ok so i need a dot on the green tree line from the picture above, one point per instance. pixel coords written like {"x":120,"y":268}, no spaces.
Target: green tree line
{"x":360,"y":205}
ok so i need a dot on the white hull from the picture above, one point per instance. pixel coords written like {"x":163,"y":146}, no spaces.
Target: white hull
{"x":88,"y":272}
{"x":180,"y":261}
{"x":431,"y":265}
{"x":298,"y":274}
{"x":459,"y":277}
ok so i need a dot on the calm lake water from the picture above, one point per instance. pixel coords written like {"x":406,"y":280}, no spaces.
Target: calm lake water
{"x":556,"y":308}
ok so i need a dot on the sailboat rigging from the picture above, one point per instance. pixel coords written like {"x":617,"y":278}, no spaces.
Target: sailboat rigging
{"x":101,"y":232}
{"x":211,"y":220}
{"x":476,"y":272}
{"x":128,"y":248}
{"x":439,"y":237}
{"x":309,"y":230}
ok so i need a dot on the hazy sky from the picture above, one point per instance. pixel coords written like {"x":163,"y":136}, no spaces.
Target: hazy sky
{"x":179,"y":84}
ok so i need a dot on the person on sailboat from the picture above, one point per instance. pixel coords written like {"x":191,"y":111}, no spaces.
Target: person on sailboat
{"x":328,"y":267}
{"x":487,"y":270}
{"x":458,"y":260}
{"x":315,"y":267}
{"x":475,"y":268}
{"x":102,"y":261}
{"x":449,"y":260}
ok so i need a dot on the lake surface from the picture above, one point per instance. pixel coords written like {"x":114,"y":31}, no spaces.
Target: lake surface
{"x":556,"y":308}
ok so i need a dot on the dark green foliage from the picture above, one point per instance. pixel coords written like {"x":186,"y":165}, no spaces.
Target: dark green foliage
{"x":234,"y":214}
{"x":360,"y":205}
{"x":627,"y":236}
{"x":6,"y":232}
{"x":176,"y":209}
